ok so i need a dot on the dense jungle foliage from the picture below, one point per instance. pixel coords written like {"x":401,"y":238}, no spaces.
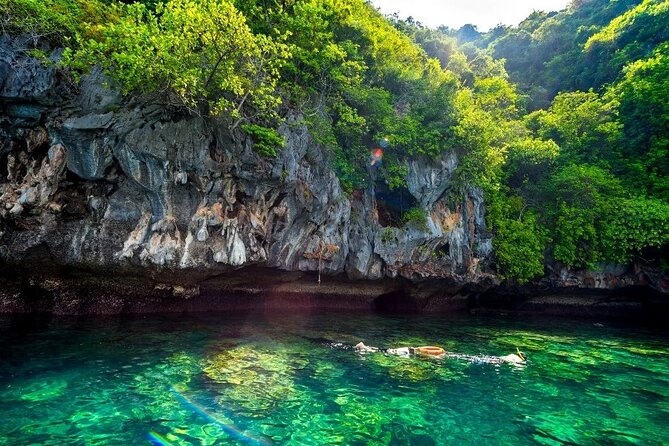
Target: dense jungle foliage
{"x":562,"y":120}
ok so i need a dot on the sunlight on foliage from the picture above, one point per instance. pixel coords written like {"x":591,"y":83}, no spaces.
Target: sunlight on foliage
{"x":561,"y":121}
{"x":201,"y":51}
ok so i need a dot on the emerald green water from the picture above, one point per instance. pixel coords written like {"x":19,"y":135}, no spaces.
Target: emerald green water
{"x":273,"y":379}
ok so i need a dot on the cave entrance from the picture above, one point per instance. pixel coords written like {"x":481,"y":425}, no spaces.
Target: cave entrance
{"x":392,"y":203}
{"x":444,"y":250}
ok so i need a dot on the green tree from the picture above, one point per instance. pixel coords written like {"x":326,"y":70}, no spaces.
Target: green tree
{"x":199,"y":53}
{"x":519,"y":239}
{"x":52,"y":21}
{"x":579,"y":199}
{"x":487,"y":125}
{"x":636,"y":225}
{"x":628,"y":37}
{"x":644,"y":110}
{"x":529,"y":161}
{"x":585,"y":126}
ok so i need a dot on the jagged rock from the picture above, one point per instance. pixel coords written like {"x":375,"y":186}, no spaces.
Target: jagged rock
{"x":136,"y":238}
{"x":131,"y":187}
{"x":427,"y":180}
{"x":235,"y":250}
{"x":202,"y":233}
{"x":16,"y":210}
{"x":28,"y":196}
{"x":97,"y":93}
{"x":24,"y":79}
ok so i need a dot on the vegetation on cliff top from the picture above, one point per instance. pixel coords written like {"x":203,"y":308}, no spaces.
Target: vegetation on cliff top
{"x":573,"y":161}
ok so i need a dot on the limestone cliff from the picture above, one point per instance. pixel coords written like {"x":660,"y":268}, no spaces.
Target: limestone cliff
{"x":106,"y":184}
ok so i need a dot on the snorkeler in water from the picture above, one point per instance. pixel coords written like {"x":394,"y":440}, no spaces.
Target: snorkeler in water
{"x":513,"y":358}
{"x":360,"y":347}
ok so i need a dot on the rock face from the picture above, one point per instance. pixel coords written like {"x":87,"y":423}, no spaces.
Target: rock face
{"x":93,"y":182}
{"x":110,"y":185}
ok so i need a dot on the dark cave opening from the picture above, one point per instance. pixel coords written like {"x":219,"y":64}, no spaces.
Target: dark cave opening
{"x":391,"y":204}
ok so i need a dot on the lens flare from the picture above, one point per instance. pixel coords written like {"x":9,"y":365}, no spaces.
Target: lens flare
{"x":227,"y":428}
{"x":375,"y":157}
{"x":157,"y":439}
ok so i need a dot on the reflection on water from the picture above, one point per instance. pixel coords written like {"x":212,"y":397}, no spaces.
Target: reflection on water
{"x":274,"y":379}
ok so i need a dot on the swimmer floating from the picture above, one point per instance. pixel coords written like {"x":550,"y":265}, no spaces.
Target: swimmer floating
{"x":438,"y":352}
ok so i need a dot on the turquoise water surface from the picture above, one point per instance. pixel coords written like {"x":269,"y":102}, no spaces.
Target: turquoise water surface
{"x":267,"y":379}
